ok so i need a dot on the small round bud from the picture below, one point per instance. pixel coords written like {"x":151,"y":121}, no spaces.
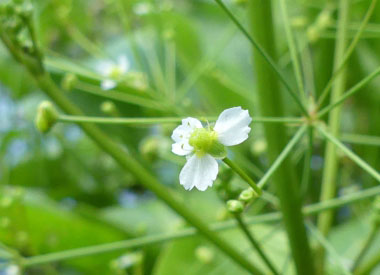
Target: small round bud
{"x":69,"y":81}
{"x":259,"y":147}
{"x":109,"y":108}
{"x":150,"y":148}
{"x":46,"y":116}
{"x":324,"y":19}
{"x":247,"y":195}
{"x":204,"y":254}
{"x":235,"y":206}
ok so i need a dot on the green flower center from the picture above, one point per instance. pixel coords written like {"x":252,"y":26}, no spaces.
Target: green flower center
{"x":205,"y":141}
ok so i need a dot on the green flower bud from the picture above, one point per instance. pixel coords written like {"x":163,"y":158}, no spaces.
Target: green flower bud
{"x":204,"y":254}
{"x":235,"y":206}
{"x":109,"y":108}
{"x":205,"y":141}
{"x":247,"y":195}
{"x":46,"y":116}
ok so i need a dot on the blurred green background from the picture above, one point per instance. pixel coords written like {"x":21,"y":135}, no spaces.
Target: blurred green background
{"x":60,"y":191}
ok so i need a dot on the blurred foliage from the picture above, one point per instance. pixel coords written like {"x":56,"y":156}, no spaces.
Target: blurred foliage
{"x":59,"y":191}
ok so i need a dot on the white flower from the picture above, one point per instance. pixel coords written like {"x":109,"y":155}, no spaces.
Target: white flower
{"x":113,"y":72}
{"x":202,"y":146}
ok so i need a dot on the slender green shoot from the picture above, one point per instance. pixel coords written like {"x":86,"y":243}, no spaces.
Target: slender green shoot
{"x":350,"y":154}
{"x":360,"y":139}
{"x":242,"y":225}
{"x":188,"y":232}
{"x":348,"y":52}
{"x":293,"y":50}
{"x":288,"y":148}
{"x":124,"y":121}
{"x":305,"y":181}
{"x":349,"y":93}
{"x":160,"y":120}
{"x":243,"y":175}
{"x":266,"y":57}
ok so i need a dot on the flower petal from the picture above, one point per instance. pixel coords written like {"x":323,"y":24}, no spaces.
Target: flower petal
{"x":199,"y":172}
{"x":232,"y":126}
{"x":181,"y":148}
{"x":108,"y":84}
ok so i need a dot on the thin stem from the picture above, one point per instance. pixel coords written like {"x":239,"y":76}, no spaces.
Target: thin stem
{"x":160,"y":120}
{"x":366,"y":245}
{"x":305,"y":182}
{"x":349,"y":93}
{"x":368,"y":266}
{"x":292,"y":49}
{"x":255,"y":243}
{"x":126,"y":121}
{"x":188,"y":232}
{"x":288,"y":148}
{"x":348,"y":53}
{"x":243,"y":175}
{"x":360,"y":139}
{"x":328,"y":188}
{"x":350,"y":154}
{"x":221,"y":226}
{"x":265,"y":55}
{"x":327,"y":245}
{"x":122,"y":97}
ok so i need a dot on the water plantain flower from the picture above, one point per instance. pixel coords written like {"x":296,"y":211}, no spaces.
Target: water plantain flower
{"x":203,"y":146}
{"x":113,"y":72}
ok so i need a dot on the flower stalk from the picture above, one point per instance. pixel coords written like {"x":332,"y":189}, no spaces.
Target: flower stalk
{"x":270,"y":101}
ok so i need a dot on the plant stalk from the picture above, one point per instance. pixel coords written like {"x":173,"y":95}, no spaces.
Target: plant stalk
{"x":270,"y":100}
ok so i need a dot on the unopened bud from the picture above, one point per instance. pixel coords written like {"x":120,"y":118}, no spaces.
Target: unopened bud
{"x":109,"y":108}
{"x":235,"y":206}
{"x":46,"y":117}
{"x":204,"y":254}
{"x":247,"y":195}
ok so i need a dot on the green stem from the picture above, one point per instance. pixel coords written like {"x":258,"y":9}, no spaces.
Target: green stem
{"x":305,"y":182}
{"x":327,"y":245}
{"x":276,"y":164}
{"x":350,"y":154}
{"x":157,"y":120}
{"x":349,"y":93}
{"x":367,"y":267}
{"x":254,"y":243}
{"x":360,"y":139}
{"x":292,"y":50}
{"x":126,"y":121}
{"x":271,"y":104}
{"x":268,"y":59}
{"x":122,"y":97}
{"x":243,"y":175}
{"x":184,"y":233}
{"x":366,"y":245}
{"x":339,"y":69}
{"x":328,"y":188}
